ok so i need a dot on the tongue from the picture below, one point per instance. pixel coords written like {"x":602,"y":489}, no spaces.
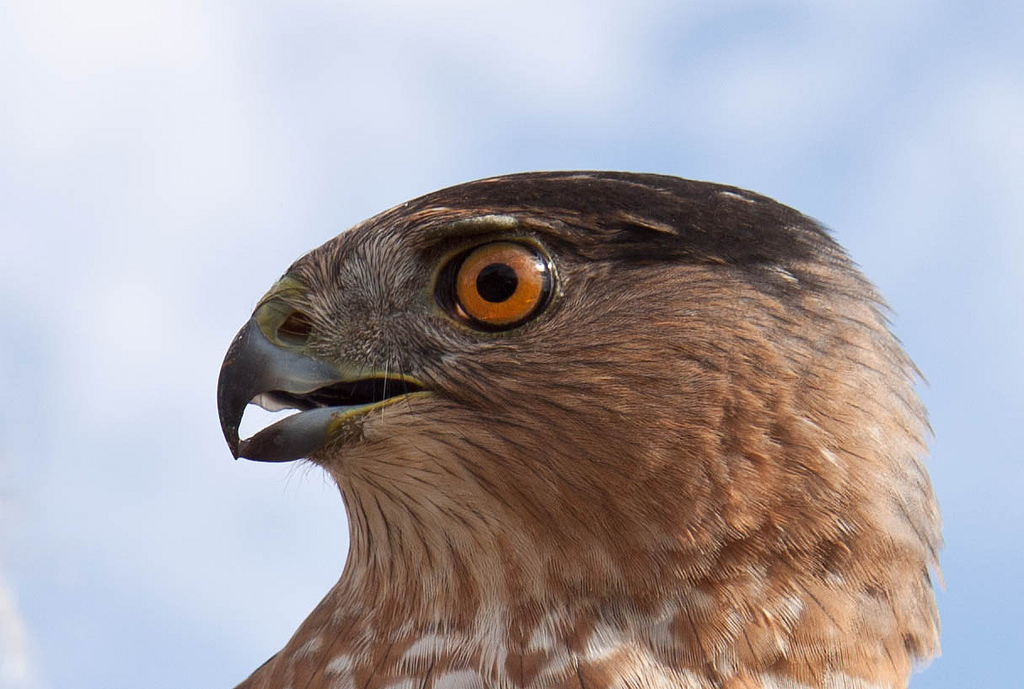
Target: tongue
{"x":271,"y":402}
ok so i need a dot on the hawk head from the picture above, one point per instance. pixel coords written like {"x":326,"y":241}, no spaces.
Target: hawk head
{"x":598,"y":429}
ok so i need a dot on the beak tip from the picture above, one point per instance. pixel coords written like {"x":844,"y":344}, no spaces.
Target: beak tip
{"x":233,"y":441}
{"x":230,"y":430}
{"x":234,"y":387}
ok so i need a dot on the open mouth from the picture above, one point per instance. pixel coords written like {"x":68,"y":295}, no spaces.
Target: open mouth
{"x":320,"y":411}
{"x":328,"y":396}
{"x":356,"y":393}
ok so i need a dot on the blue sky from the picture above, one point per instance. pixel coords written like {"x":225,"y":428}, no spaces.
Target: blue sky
{"x":161,"y":163}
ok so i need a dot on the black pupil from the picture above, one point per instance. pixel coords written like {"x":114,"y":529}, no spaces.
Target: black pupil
{"x":496,"y":282}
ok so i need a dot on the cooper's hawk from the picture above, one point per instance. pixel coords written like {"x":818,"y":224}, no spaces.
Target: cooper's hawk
{"x":598,"y":430}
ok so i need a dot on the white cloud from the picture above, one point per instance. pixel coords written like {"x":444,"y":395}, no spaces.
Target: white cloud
{"x":16,"y":670}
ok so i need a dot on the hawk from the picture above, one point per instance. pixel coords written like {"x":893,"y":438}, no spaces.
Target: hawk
{"x":598,"y":429}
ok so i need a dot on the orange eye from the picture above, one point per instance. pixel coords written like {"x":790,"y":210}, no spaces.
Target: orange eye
{"x":501,"y":284}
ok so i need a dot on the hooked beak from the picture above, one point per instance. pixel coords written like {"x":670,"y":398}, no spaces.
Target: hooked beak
{"x":275,"y":376}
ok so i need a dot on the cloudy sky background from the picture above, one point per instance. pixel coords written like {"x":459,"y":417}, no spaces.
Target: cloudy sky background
{"x":162,"y":162}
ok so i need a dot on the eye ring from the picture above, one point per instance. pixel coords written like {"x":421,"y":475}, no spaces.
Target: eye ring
{"x":496,"y":286}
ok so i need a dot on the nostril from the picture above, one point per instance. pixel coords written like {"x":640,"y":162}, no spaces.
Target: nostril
{"x":295,"y":329}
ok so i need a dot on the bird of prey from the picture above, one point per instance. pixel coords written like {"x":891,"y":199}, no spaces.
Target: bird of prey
{"x":593,"y":430}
